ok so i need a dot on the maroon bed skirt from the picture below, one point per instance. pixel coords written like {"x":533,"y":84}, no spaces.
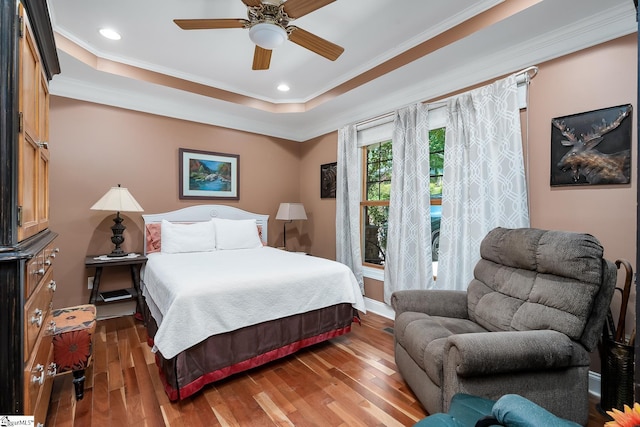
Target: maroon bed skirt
{"x":223,"y":355}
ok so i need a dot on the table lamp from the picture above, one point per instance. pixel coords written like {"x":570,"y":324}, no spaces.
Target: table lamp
{"x":288,"y":212}
{"x":117,"y":199}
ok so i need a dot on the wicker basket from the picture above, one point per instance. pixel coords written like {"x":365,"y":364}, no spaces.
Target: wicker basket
{"x":617,"y":375}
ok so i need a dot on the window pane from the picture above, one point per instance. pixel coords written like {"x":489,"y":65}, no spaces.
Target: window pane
{"x":375,"y":233}
{"x":436,"y":164}
{"x":436,"y":214}
{"x":436,"y":160}
{"x":379,"y":165}
{"x":373,"y":191}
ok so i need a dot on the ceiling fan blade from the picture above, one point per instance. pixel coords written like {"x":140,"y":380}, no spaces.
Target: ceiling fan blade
{"x":297,"y":8}
{"x":210,"y":24}
{"x":261,"y":58}
{"x":252,"y":2}
{"x":314,"y":43}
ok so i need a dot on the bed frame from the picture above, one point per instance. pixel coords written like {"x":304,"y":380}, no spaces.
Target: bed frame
{"x":229,"y":353}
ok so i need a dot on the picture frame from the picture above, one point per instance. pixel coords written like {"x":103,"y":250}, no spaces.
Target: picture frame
{"x":592,"y":148}
{"x":208,"y":175}
{"x":328,"y":173}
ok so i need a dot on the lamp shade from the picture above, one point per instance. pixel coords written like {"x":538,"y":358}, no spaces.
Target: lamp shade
{"x":267,"y":35}
{"x":291,"y":211}
{"x":117,"y":199}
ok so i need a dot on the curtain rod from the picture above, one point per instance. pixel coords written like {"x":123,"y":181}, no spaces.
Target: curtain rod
{"x":527,"y":74}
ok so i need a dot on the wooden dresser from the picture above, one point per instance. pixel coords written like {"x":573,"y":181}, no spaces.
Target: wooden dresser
{"x":28,"y":61}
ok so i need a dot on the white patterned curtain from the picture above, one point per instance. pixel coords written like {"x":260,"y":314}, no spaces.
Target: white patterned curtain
{"x":484,"y":182}
{"x":408,"y":257}
{"x":348,"y":203}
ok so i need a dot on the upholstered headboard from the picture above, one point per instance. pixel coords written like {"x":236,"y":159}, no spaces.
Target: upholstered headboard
{"x":200,"y":213}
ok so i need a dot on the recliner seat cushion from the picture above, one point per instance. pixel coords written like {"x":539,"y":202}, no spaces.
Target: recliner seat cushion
{"x":424,"y":337}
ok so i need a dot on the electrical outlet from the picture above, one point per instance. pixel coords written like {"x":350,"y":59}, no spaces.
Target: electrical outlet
{"x":90,"y":282}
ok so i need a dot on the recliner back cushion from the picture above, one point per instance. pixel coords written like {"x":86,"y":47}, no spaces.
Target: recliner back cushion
{"x":531,"y":279}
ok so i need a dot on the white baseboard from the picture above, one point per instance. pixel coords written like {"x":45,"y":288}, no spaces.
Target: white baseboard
{"x":594,"y":384}
{"x":379,"y":308}
{"x":384,"y":310}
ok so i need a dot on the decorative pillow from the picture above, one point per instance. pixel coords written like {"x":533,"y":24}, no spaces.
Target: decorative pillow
{"x":196,"y":237}
{"x":153,"y":237}
{"x":236,"y":234}
{"x":260,"y":235}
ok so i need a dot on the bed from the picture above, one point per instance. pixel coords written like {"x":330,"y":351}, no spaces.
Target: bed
{"x":219,"y":301}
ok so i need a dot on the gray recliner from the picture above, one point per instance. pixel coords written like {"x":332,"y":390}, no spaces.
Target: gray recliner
{"x":531,"y":315}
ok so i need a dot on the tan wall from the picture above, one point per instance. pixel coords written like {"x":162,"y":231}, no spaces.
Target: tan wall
{"x":95,"y":147}
{"x":320,"y":229}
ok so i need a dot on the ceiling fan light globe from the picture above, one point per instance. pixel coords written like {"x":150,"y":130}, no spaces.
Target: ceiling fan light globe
{"x":267,"y":36}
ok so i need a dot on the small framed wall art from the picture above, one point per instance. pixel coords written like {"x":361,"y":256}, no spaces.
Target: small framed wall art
{"x":592,"y":148}
{"x":328,"y":180}
{"x":209,"y":175}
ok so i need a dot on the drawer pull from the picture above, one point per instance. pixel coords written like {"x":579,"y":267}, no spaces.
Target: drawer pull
{"x":37,"y":317}
{"x":52,"y":255}
{"x":52,"y":285}
{"x":47,"y":263}
{"x":38,"y":379}
{"x":40,"y":271}
{"x":52,"y":370}
{"x":39,"y":425}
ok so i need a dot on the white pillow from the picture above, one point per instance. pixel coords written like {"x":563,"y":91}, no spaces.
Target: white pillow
{"x":196,"y":237}
{"x":237,"y":234}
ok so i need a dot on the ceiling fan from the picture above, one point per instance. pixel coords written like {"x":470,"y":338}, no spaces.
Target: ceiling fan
{"x":268,"y":24}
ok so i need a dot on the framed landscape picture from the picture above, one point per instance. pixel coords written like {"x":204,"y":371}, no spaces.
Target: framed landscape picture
{"x":208,"y":175}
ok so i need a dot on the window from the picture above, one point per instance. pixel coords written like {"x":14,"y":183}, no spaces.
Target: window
{"x":436,"y":165}
{"x":376,"y":189}
{"x":378,"y":162}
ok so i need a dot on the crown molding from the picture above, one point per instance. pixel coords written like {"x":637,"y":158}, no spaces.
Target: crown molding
{"x":606,"y":26}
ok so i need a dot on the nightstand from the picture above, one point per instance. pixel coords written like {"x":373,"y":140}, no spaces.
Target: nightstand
{"x":100,"y":262}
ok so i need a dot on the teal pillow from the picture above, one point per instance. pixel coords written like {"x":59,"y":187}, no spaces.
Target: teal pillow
{"x":515,"y":411}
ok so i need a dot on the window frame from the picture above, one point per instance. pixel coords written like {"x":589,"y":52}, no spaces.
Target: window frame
{"x":364,"y":203}
{"x":373,"y":132}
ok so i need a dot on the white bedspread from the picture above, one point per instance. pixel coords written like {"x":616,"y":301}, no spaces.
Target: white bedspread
{"x":195,"y":295}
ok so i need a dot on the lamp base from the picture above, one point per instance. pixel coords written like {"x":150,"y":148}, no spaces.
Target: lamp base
{"x":117,"y":253}
{"x":284,"y":236}
{"x":117,"y":238}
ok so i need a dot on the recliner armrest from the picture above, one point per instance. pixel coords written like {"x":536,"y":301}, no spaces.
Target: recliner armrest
{"x":432,"y":302}
{"x":488,"y":353}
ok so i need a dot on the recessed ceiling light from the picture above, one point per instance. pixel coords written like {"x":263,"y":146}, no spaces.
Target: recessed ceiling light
{"x":110,"y":34}
{"x":283,"y":87}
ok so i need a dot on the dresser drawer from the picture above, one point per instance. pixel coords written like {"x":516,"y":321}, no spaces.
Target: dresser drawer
{"x":34,"y":273}
{"x":38,"y":378}
{"x":38,"y":267}
{"x":49,"y":255}
{"x":36,"y":311}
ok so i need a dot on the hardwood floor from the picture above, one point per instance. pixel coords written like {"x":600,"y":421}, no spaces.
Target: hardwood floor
{"x":349,"y":381}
